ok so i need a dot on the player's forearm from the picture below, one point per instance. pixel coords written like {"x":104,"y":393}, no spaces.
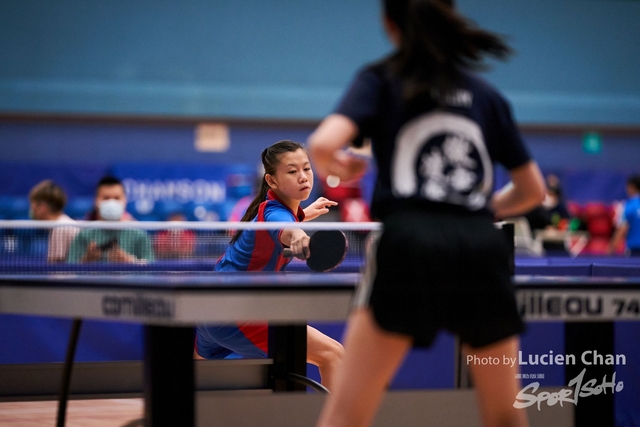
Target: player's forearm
{"x":334,"y":133}
{"x":298,"y":242}
{"x":317,"y":208}
{"x":288,"y":236}
{"x":523,"y":193}
{"x":310,"y":214}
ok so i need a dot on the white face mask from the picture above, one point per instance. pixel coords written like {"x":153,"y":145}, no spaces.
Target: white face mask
{"x":111,"y":210}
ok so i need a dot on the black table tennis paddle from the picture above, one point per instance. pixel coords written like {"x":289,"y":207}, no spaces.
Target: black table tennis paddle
{"x":327,"y":250}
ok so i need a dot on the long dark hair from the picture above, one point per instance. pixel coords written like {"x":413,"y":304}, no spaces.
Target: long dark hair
{"x":634,"y":181}
{"x":270,"y":159}
{"x":436,"y":44}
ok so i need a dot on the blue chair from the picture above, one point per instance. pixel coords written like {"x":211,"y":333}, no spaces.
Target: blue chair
{"x":14,"y":207}
{"x":165,"y":207}
{"x":5,"y":206}
{"x":205,"y":211}
{"x":78,"y":207}
{"x":143,"y":210}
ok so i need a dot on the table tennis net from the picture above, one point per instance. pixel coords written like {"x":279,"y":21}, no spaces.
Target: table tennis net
{"x":37,"y":247}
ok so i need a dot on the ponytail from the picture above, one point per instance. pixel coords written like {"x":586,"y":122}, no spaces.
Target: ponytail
{"x":252,"y":210}
{"x":436,"y":45}
{"x":270,"y":158}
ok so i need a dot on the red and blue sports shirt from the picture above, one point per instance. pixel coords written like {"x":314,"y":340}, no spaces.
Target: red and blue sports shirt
{"x":261,"y":250}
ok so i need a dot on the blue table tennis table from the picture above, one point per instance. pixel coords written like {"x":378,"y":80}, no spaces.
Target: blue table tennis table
{"x":170,"y":304}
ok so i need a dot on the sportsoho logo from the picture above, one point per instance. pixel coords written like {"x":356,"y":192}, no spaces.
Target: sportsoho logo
{"x":579,"y":387}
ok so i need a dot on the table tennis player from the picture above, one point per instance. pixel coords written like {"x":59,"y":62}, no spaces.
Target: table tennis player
{"x":437,"y":131}
{"x":288,"y":180}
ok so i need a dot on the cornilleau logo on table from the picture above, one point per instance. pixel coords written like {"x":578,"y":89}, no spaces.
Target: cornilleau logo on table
{"x":137,"y":306}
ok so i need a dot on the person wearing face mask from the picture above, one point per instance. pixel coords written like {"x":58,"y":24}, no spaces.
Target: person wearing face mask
{"x":126,"y":245}
{"x":46,"y":203}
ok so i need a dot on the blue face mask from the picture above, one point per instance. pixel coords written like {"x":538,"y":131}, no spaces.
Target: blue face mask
{"x":111,"y":210}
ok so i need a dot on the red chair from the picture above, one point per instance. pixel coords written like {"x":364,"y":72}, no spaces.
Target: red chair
{"x":599,"y":220}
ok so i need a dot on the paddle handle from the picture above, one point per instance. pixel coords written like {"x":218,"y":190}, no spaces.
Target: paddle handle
{"x":287,"y":253}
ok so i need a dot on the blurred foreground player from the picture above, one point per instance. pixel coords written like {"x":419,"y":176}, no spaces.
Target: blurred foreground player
{"x":287,"y":181}
{"x":436,"y":131}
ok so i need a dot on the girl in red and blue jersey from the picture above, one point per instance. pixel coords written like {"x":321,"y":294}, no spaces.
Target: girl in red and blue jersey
{"x":288,"y":180}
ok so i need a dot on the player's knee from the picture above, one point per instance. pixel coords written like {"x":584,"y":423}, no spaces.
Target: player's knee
{"x":330,"y":352}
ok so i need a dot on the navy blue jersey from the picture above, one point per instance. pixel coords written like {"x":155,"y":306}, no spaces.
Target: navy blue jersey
{"x":437,"y":157}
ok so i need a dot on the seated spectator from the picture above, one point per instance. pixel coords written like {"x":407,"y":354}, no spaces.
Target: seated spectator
{"x":110,"y":186}
{"x":47,"y":201}
{"x":174,"y":242}
{"x":126,"y":245}
{"x":628,"y":229}
{"x":554,"y":201}
{"x":552,"y":217}
{"x":553,"y":210}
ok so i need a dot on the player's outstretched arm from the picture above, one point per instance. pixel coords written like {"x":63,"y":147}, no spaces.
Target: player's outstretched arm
{"x":317,"y":208}
{"x":326,"y":146}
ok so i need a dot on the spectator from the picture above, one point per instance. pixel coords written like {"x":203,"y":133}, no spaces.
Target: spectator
{"x":554,"y":201}
{"x":47,"y":201}
{"x":553,"y":209}
{"x":175,"y":242}
{"x":125,"y":245}
{"x":629,"y":227}
{"x":110,"y":189}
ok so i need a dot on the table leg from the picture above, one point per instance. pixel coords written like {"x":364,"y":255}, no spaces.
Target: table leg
{"x":594,"y":410}
{"x":169,"y":376}
{"x":288,"y":349}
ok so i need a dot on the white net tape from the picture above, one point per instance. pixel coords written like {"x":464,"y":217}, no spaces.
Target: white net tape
{"x":142,"y":247}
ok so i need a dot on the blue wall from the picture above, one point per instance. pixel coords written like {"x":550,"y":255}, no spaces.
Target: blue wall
{"x":82,"y":151}
{"x":80,"y":142}
{"x":577,"y":60}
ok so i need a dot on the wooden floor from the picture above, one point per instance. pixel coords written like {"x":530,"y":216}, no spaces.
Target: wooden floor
{"x":80,"y":413}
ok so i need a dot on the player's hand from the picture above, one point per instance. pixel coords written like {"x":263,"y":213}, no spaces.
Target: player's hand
{"x":348,"y":167}
{"x":300,"y":244}
{"x":317,"y":208}
{"x":93,"y":253}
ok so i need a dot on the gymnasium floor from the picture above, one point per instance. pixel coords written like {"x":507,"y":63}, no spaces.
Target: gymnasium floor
{"x":80,"y":413}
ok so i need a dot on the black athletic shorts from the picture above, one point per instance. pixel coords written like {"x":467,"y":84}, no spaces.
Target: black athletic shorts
{"x":433,"y":271}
